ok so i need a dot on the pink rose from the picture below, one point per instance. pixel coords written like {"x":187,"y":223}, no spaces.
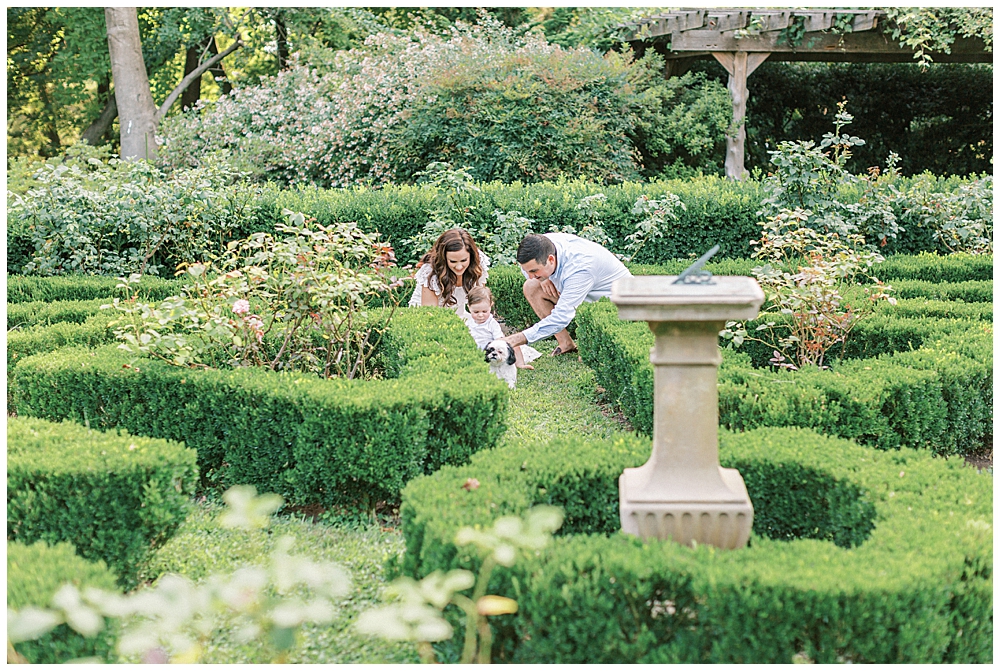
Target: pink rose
{"x":241,"y":307}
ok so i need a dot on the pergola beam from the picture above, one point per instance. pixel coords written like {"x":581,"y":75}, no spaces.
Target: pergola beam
{"x":742,"y":38}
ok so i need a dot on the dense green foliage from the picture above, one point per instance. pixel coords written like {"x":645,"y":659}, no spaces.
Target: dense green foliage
{"x":507,"y":104}
{"x":34,"y":574}
{"x":309,"y":439}
{"x":917,"y":587}
{"x":715,"y":211}
{"x":26,"y":289}
{"x":93,"y":331}
{"x":125,"y":217}
{"x":200,"y":549}
{"x":115,"y":497}
{"x":937,"y":120}
{"x":970,"y":291}
{"x":937,"y":396}
{"x":39,"y":313}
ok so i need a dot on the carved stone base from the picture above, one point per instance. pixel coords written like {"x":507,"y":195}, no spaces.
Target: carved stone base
{"x":724,"y":524}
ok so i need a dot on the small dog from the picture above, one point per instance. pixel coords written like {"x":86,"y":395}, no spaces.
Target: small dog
{"x":500,"y":357}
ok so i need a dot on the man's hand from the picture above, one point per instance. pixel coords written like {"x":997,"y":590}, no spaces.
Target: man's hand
{"x":516,"y":339}
{"x":549,"y":290}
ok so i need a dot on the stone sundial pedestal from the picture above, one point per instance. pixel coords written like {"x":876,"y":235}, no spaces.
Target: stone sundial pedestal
{"x":681,"y":492}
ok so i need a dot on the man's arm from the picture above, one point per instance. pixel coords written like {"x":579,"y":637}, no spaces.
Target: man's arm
{"x":574,"y":291}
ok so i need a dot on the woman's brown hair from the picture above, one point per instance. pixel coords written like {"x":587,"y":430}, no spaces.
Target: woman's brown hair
{"x":454,"y":240}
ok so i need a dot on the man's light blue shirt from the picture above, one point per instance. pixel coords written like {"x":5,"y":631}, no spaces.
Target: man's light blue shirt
{"x":584,"y":272}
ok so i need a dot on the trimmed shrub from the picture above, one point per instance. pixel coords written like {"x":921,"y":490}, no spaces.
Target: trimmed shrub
{"x":308,"y":439}
{"x":917,"y":308}
{"x":856,"y":556}
{"x":25,"y":289}
{"x":25,"y":315}
{"x":93,"y":332}
{"x":918,"y":383}
{"x":934,"y":268}
{"x":34,"y":574}
{"x":114,"y":496}
{"x":972,"y":291}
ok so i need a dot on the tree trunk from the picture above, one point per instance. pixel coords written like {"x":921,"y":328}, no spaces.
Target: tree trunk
{"x":99,"y":127}
{"x":193,"y":92}
{"x":136,"y":112}
{"x":49,"y":123}
{"x":218,"y":71}
{"x":281,"y":34}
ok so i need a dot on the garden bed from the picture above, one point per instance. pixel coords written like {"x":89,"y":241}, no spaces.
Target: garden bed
{"x":937,"y":395}
{"x":309,"y":439}
{"x":857,"y":555}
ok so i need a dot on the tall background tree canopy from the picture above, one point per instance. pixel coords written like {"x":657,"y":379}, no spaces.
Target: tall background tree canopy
{"x":335,"y":96}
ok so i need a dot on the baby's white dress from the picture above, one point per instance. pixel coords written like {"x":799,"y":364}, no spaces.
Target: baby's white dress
{"x":425,"y":277}
{"x":489,"y":331}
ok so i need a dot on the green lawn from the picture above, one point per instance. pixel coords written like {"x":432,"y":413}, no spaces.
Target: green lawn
{"x":555,"y":399}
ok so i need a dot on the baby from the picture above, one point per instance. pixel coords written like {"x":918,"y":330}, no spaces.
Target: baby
{"x":485,"y":329}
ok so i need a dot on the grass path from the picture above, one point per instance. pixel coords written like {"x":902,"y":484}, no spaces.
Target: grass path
{"x":554,"y":399}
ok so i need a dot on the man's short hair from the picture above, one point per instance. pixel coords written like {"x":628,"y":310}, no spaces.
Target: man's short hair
{"x":535,"y":247}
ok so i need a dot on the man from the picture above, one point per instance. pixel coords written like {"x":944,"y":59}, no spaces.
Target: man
{"x":562,"y":271}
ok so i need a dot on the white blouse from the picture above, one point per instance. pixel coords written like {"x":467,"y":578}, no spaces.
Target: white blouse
{"x":425,"y":277}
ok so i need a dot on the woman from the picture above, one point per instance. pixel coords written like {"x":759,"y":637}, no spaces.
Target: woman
{"x":449,"y":271}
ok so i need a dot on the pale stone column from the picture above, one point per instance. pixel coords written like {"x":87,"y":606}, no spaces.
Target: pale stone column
{"x":681,"y":492}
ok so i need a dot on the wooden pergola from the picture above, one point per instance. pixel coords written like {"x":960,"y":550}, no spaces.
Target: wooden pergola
{"x":741,"y":39}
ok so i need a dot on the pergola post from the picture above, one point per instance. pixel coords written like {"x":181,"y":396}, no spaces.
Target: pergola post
{"x":739,"y":65}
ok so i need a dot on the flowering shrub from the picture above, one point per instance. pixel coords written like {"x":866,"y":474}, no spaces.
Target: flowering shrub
{"x":298,"y":303}
{"x":961,"y":220}
{"x":809,"y":303}
{"x":509,"y":106}
{"x":176,"y":618}
{"x":815,"y":180}
{"x":120,"y":217}
{"x":418,"y":615}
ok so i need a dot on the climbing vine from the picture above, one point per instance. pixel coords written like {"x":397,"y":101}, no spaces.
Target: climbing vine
{"x":929,"y":30}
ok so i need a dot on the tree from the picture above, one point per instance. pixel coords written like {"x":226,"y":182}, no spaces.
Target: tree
{"x":136,"y":112}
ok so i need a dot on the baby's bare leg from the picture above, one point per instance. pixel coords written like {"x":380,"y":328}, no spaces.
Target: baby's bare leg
{"x":519,"y":359}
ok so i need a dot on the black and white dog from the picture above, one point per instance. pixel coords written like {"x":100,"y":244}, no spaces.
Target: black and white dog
{"x":500,"y":357}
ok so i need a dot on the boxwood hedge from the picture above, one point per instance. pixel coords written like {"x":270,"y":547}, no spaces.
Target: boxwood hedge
{"x":21,"y":316}
{"x":34,"y":574}
{"x":114,"y":496}
{"x":309,"y":439}
{"x":717,"y":211}
{"x":23,"y":289}
{"x":955,"y":277}
{"x":924,"y":383}
{"x":856,"y":555}
{"x":94,"y":331}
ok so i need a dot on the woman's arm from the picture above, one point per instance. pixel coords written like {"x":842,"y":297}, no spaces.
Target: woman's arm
{"x":428,"y":297}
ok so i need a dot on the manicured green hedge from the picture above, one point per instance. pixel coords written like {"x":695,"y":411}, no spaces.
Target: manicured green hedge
{"x":972,"y":282}
{"x":309,"y":439}
{"x":924,"y":383}
{"x":93,"y":332}
{"x":936,"y":268}
{"x":973,"y":291}
{"x":856,"y":556}
{"x":23,"y":289}
{"x":44,"y":313}
{"x":115,"y":497}
{"x":718,"y":211}
{"x":34,"y":574}
{"x":918,"y":308}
